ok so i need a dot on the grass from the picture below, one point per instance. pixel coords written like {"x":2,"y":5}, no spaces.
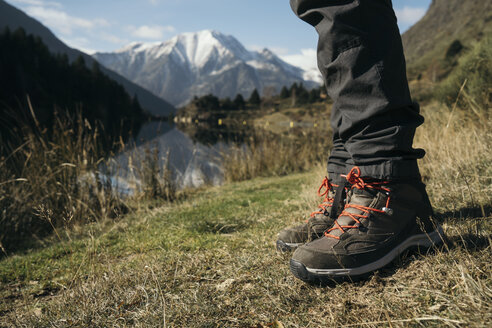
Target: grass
{"x":51,"y":180}
{"x":270,"y":154}
{"x":55,"y":180}
{"x":209,"y":260}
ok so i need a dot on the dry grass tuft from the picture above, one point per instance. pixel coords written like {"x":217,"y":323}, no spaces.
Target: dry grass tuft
{"x":52,"y":181}
{"x":457,"y":167}
{"x":269,"y":154}
{"x":56,"y":180}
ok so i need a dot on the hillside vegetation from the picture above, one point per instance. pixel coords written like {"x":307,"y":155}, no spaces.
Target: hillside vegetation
{"x":34,"y":84}
{"x":447,"y":30}
{"x":470,"y":84}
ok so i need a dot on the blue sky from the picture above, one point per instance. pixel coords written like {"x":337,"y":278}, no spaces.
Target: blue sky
{"x":107,"y":25}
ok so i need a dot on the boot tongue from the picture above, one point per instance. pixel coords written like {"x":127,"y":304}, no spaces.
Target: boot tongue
{"x":339,"y":195}
{"x":360,"y":197}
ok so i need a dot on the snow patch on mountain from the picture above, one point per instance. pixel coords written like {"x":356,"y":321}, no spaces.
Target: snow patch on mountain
{"x":195,"y":64}
{"x":307,"y":61}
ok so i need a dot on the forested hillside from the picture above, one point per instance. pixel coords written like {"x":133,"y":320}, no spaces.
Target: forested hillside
{"x":29,"y":72}
{"x":14,"y":18}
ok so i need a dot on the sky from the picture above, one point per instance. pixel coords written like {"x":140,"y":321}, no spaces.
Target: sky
{"x":107,"y":25}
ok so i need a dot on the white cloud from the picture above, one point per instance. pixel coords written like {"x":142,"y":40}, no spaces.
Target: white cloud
{"x":154,"y":2}
{"x":51,"y":14}
{"x":154,"y":32}
{"x":113,"y":38}
{"x":279,"y":51}
{"x":305,"y":60}
{"x":57,"y":19}
{"x":101,"y":22}
{"x":41,"y":3}
{"x":410,"y":15}
{"x":80,"y":43}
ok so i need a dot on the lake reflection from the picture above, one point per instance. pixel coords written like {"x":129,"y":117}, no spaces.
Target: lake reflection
{"x":192,"y":162}
{"x":193,"y":151}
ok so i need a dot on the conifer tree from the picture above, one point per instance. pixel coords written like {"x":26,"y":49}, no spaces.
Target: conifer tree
{"x":28,"y":67}
{"x":314,"y":95}
{"x":284,"y":93}
{"x":226,"y":104}
{"x":302,"y":95}
{"x":239,"y":102}
{"x":254,"y":99}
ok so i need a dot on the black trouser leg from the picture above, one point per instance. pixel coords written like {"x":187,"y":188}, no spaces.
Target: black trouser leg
{"x":360,"y":56}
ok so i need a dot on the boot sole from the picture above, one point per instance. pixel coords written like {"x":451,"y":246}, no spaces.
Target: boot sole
{"x":306,"y":274}
{"x":287,"y":247}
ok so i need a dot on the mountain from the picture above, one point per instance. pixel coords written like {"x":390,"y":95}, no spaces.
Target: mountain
{"x":28,"y":68}
{"x":433,"y":44}
{"x":195,"y":64}
{"x":14,"y":18}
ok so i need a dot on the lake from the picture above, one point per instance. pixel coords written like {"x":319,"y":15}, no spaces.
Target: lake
{"x":190,"y":152}
{"x":192,"y":156}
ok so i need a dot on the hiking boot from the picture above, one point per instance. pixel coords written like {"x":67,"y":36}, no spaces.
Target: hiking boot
{"x":380,"y":220}
{"x":320,"y":220}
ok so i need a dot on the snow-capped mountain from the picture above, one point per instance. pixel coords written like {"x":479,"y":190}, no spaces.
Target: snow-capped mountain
{"x":195,"y":64}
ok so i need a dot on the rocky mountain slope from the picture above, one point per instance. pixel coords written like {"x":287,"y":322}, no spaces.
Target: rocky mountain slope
{"x":14,"y":18}
{"x":434,"y":43}
{"x":195,"y":64}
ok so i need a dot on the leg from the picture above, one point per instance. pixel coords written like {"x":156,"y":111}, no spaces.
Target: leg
{"x":339,"y":159}
{"x":323,"y":218}
{"x":361,"y":58}
{"x":387,"y":210}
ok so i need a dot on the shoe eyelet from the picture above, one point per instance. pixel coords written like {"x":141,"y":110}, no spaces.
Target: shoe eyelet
{"x":387,"y":210}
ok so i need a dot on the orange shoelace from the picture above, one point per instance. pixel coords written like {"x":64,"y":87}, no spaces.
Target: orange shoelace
{"x":323,"y":190}
{"x":357,"y":182}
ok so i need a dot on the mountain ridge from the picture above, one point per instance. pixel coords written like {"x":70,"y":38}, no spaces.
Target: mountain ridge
{"x":14,"y":18}
{"x":427,"y":42}
{"x":199,"y":63}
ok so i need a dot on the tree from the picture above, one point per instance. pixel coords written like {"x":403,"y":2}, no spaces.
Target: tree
{"x":226,"y":104}
{"x":293,"y":89}
{"x":314,"y":95}
{"x":95,"y":69}
{"x":28,"y":67}
{"x":79,"y":63}
{"x":284,"y":93}
{"x":207,"y":103}
{"x":302,"y":95}
{"x":255,"y":99}
{"x":239,"y":102}
{"x":293,"y":93}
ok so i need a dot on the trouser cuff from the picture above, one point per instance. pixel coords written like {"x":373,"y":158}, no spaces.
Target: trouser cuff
{"x":387,"y":170}
{"x":392,"y":170}
{"x":335,"y":173}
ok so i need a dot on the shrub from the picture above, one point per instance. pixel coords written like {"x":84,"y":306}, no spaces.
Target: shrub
{"x":470,"y":83}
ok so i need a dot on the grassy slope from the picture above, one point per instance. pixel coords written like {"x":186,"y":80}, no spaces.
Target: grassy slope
{"x":427,"y":41}
{"x":210,"y":260}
